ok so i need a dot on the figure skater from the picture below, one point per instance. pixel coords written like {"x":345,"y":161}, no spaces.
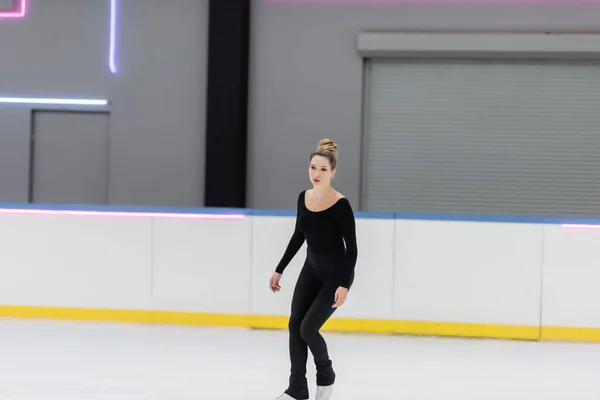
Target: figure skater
{"x":326,"y":221}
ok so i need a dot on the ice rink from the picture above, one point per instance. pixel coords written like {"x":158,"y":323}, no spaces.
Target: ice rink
{"x":63,"y":360}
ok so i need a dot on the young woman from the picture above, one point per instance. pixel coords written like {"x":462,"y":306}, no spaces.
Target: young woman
{"x":326,"y":221}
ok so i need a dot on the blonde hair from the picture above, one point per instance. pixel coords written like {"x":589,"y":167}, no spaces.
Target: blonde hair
{"x":328,"y":149}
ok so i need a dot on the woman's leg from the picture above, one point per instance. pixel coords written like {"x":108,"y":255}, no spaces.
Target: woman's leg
{"x":318,"y":313}
{"x":305,"y":292}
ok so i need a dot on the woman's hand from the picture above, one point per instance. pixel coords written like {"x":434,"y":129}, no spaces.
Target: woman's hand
{"x":340,"y":296}
{"x":274,"y":282}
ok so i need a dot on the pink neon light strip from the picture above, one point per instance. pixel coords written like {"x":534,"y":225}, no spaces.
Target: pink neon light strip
{"x":19,"y":13}
{"x":121,"y":214}
{"x":580,"y":226}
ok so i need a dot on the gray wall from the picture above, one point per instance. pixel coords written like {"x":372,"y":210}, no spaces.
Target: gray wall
{"x":306,"y":83}
{"x":158,"y":94}
{"x":307,"y":79}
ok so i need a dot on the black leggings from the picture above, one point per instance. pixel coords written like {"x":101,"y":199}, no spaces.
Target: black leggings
{"x":312,"y":303}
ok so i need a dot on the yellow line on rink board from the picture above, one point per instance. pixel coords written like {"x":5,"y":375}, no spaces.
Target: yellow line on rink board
{"x":351,"y":325}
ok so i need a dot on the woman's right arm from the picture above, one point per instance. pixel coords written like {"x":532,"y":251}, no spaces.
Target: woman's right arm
{"x":294,"y":244}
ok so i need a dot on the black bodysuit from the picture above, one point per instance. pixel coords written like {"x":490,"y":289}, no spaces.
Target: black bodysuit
{"x":330,"y":261}
{"x":328,"y":233}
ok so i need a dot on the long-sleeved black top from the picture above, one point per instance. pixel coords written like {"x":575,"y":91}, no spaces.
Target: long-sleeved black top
{"x":325,"y":232}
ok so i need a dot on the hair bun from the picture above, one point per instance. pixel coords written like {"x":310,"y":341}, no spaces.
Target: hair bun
{"x":327,"y":144}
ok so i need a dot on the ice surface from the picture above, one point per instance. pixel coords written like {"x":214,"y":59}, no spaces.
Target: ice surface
{"x":63,"y":360}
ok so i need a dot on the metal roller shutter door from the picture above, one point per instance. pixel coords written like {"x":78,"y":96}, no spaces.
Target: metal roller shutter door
{"x":482,"y":137}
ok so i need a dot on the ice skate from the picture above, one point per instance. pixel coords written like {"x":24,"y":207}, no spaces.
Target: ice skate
{"x":324,"y":392}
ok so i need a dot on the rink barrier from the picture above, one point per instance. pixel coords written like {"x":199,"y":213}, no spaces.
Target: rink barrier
{"x":419,"y":274}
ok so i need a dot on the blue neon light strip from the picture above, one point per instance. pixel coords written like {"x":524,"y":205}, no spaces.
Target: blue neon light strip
{"x":113,"y":36}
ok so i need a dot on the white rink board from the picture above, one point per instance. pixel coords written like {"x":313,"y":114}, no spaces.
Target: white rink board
{"x":73,"y":261}
{"x":571,"y":277}
{"x":270,"y":237}
{"x":201,"y":265}
{"x":521,"y":274}
{"x":468,"y":272}
{"x":371,"y":295}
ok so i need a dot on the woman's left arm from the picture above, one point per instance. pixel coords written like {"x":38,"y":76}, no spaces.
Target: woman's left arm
{"x":346,"y":220}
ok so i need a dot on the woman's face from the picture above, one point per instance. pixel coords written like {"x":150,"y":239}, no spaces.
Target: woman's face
{"x":320,"y":172}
